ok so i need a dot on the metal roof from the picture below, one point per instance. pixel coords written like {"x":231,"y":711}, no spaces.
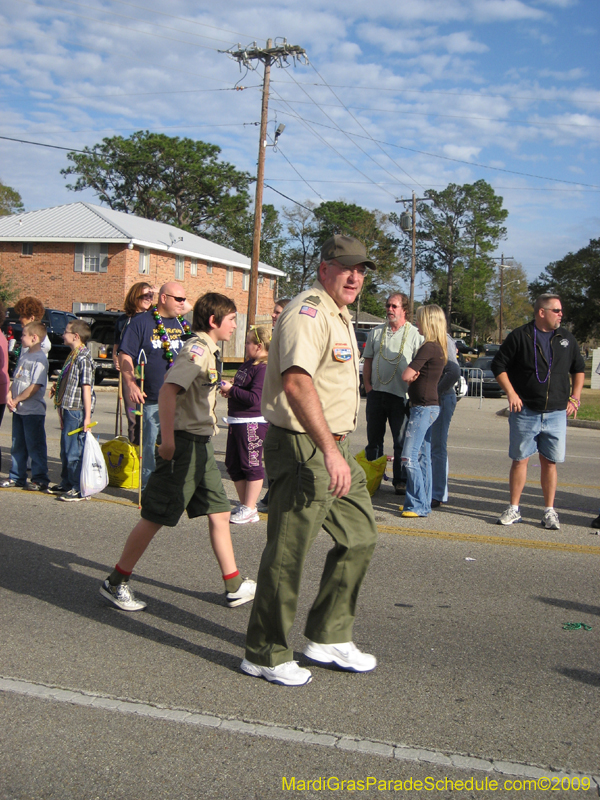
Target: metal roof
{"x":86,"y":222}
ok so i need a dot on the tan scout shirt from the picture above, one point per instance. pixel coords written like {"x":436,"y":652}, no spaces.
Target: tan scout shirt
{"x":195,"y":370}
{"x":314,"y":334}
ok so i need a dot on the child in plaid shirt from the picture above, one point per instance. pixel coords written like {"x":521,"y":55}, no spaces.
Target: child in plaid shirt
{"x":74,"y":399}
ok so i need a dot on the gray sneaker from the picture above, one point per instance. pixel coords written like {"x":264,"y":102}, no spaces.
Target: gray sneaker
{"x":121,"y":596}
{"x":550,"y":520}
{"x":509,"y":516}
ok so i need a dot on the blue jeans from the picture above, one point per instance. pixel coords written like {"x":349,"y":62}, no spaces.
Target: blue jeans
{"x":29,"y":441}
{"x":151,"y":429}
{"x":416,"y":457}
{"x":384,"y":407}
{"x":71,"y":448}
{"x":439,"y":447}
{"x":543,"y":432}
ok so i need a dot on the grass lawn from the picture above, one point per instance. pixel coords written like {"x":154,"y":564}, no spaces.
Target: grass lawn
{"x":590,"y":405}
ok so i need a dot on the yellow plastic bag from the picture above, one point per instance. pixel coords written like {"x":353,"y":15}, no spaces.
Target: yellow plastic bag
{"x":374,"y":470}
{"x":122,"y":463}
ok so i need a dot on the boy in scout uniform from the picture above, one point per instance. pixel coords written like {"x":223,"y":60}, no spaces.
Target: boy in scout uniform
{"x":186,"y":477}
{"x":310,"y":397}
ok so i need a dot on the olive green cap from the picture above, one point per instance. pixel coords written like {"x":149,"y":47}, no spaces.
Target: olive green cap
{"x":346,"y":250}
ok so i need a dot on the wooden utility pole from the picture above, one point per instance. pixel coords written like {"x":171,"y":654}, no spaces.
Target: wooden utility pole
{"x":413,"y":229}
{"x":271,"y":54}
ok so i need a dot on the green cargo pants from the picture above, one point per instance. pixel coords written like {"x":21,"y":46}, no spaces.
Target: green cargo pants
{"x":300,"y":504}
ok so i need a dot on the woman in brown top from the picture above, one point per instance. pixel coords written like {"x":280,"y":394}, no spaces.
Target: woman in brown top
{"x":423,"y":375}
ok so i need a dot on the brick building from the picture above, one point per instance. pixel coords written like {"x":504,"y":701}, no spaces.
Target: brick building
{"x":83,"y":257}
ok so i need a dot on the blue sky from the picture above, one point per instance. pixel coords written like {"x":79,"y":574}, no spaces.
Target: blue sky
{"x":399,"y":96}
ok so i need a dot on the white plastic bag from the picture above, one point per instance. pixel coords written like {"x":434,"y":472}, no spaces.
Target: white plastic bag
{"x":94,"y":476}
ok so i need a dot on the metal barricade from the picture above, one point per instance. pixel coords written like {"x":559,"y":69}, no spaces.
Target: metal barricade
{"x":474,"y":379}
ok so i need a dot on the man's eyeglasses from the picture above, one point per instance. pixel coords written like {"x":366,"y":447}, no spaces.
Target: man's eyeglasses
{"x":392,"y":305}
{"x":177,"y":299}
{"x":554,"y":310}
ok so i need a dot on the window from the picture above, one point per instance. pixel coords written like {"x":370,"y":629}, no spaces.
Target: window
{"x":179,"y":267}
{"x":271,"y":283}
{"x":209,"y":267}
{"x":27,"y":249}
{"x":144,"y":261}
{"x":194,"y":267}
{"x":91,"y":258}
{"x":229,"y":278}
{"x":245,"y":281}
{"x":89,"y":307}
{"x":261,"y":280}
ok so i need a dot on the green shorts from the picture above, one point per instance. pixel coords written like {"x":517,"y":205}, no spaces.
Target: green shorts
{"x":190,"y":482}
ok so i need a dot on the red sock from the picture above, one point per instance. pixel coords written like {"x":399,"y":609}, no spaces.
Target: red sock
{"x":122,"y":571}
{"x":225,"y":577}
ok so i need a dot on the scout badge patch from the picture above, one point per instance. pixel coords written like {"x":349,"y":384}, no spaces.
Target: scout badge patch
{"x":342,"y":352}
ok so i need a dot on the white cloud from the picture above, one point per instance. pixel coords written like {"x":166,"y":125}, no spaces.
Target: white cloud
{"x":575,"y":74}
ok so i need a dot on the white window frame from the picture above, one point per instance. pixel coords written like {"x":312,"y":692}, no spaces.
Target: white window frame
{"x":229,"y":278}
{"x":209,"y":268}
{"x":245,"y":281}
{"x":144,"y":261}
{"x":179,"y":268}
{"x":27,"y":248}
{"x":91,"y":257}
{"x":272,"y":283}
{"x":194,"y":268}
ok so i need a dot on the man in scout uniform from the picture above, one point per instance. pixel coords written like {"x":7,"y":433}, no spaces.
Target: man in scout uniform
{"x":310,"y":397}
{"x":389,"y":350}
{"x":186,"y":477}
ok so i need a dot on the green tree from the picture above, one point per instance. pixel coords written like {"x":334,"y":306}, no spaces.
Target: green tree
{"x":178,"y":181}
{"x":458,"y":228}
{"x":238,"y":233}
{"x":10,"y":201}
{"x":302,"y":252}
{"x":576,"y":278}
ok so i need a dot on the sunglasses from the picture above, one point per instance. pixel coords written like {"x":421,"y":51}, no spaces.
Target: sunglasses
{"x":554,"y":310}
{"x":177,"y":299}
{"x":146,"y":296}
{"x":391,"y":305}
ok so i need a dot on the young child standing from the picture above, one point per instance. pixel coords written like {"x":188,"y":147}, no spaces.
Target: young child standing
{"x":186,"y":477}
{"x":74,"y":398}
{"x":26,"y":401}
{"x":247,"y":426}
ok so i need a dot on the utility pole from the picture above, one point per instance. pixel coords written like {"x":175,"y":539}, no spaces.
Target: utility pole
{"x":408,"y":223}
{"x":502,"y":266}
{"x":271,"y":54}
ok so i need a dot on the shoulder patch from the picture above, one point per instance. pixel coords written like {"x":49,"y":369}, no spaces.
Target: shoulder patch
{"x":197,"y":350}
{"x":313,"y":299}
{"x":310,"y":312}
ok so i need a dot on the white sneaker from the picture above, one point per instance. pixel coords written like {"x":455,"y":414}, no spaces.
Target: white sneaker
{"x":509,"y":516}
{"x":550,"y":520}
{"x":244,"y":514}
{"x":286,"y":674}
{"x":346,"y":656}
{"x":243,"y":595}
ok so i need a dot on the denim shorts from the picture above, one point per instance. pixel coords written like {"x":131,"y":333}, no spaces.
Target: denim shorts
{"x":543,"y":432}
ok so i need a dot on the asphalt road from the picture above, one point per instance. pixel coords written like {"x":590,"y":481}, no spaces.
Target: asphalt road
{"x":477,"y":679}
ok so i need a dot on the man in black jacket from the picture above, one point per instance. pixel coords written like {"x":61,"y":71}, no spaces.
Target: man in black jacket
{"x":540,"y":368}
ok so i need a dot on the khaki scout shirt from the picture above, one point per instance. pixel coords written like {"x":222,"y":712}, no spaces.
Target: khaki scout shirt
{"x":314,"y":334}
{"x":195,"y":370}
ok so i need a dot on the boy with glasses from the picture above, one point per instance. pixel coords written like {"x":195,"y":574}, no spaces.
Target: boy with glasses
{"x":541,"y":369}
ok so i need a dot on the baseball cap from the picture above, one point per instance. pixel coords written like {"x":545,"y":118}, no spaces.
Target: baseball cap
{"x":347,"y":250}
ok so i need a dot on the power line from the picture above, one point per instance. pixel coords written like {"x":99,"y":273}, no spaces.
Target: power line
{"x":279,"y":150}
{"x":122,"y":27}
{"x":369,"y":156}
{"x":367,"y":132}
{"x":442,"y":116}
{"x":291,"y":199}
{"x":448,"y":158}
{"x":188,"y":20}
{"x":447,"y":94}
